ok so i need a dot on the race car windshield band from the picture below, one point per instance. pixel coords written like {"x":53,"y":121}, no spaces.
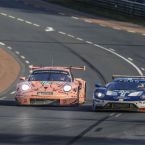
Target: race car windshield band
{"x":50,"y":75}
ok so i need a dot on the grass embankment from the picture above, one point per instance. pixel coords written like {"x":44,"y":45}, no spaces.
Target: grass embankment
{"x":102,"y":12}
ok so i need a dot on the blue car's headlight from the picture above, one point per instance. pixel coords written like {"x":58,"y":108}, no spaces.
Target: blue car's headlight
{"x":99,"y":95}
{"x":135,"y":94}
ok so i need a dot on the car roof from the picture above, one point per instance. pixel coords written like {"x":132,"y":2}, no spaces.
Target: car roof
{"x":133,"y":79}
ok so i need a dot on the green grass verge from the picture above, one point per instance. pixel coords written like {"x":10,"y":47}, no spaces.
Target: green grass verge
{"x":102,"y":12}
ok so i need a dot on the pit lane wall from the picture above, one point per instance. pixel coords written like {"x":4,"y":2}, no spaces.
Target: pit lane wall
{"x":126,"y":7}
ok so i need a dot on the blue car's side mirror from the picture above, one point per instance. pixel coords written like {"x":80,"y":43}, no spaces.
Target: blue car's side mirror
{"x":97,"y":85}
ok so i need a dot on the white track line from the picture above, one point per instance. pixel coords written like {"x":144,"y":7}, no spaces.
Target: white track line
{"x":19,"y":19}
{"x":75,"y":17}
{"x":131,"y":63}
{"x":1,"y":43}
{"x":71,"y":36}
{"x":102,"y":25}
{"x":17,"y":52}
{"x":23,"y":57}
{"x":116,"y":28}
{"x":27,"y":61}
{"x":12,"y":17}
{"x":89,"y":42}
{"x":49,"y":29}
{"x":88,"y":21}
{"x":111,"y":49}
{"x":143,"y":69}
{"x":79,"y":39}
{"x":36,"y":25}
{"x":63,"y":33}
{"x":10,"y":48}
{"x":143,"y":34}
{"x":28,"y":22}
{"x":118,"y":115}
{"x":3,"y":14}
{"x":13,"y":92}
{"x":130,"y":31}
{"x":130,"y":59}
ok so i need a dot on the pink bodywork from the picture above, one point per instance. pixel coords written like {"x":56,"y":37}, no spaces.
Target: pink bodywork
{"x":52,"y":92}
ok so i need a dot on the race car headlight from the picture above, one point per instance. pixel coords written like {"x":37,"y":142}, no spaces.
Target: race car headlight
{"x":139,"y":93}
{"x":99,"y":95}
{"x":67,"y":88}
{"x":25,"y":87}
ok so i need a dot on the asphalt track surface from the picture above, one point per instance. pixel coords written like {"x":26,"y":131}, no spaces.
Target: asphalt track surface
{"x":30,"y":44}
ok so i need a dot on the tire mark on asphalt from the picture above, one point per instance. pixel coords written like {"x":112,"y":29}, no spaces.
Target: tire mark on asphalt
{"x":102,"y":78}
{"x":75,"y":139}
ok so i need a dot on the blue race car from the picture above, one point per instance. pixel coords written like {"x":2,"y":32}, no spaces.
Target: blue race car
{"x":123,"y":93}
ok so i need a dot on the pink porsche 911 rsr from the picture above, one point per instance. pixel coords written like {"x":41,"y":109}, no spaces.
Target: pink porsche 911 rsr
{"x":51,"y":86}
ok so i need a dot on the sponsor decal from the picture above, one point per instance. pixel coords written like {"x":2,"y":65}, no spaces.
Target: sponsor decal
{"x":46,"y":83}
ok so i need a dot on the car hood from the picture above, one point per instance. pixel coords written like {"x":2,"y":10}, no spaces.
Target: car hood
{"x":128,"y":95}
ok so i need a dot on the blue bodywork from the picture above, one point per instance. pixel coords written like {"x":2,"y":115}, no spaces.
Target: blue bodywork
{"x":127,"y":89}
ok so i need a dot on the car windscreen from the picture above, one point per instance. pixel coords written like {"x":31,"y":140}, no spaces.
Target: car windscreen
{"x":50,"y":75}
{"x":127,"y":85}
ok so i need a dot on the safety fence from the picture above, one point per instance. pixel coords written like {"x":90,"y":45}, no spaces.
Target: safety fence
{"x":124,"y":6}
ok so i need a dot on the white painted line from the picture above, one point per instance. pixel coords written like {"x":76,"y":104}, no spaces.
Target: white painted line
{"x":12,"y":17}
{"x":36,"y":25}
{"x":10,"y":48}
{"x":79,"y":39}
{"x":23,"y":57}
{"x":28,"y":22}
{"x":27,"y":61}
{"x":17,"y":52}
{"x":102,"y":25}
{"x":19,"y":19}
{"x":111,"y":49}
{"x":116,"y":28}
{"x":13,"y":92}
{"x":75,"y":17}
{"x":88,"y":21}
{"x":49,"y":29}
{"x":89,"y":42}
{"x":71,"y":36}
{"x":63,"y":33}
{"x":2,"y":98}
{"x":61,"y":14}
{"x":1,"y":43}
{"x":130,"y":59}
{"x":131,"y":63}
{"x":118,"y":115}
{"x":143,"y":34}
{"x":130,"y":31}
{"x":3,"y":14}
{"x":143,"y":69}
{"x":112,"y":114}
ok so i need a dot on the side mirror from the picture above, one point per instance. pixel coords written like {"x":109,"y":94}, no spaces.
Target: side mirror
{"x":22,"y":78}
{"x":98,"y":85}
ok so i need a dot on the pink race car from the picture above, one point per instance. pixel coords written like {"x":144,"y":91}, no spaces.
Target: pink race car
{"x":51,"y":86}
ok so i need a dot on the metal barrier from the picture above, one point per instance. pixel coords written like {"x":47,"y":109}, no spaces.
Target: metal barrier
{"x":124,"y":6}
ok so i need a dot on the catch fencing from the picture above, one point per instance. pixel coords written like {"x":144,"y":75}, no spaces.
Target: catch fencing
{"x":124,"y":6}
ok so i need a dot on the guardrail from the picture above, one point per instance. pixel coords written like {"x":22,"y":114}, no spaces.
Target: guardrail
{"x":123,"y":6}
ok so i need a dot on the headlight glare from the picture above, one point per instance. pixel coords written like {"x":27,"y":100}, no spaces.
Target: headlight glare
{"x":25,"y":87}
{"x":67,"y":88}
{"x":139,"y":93}
{"x":100,"y":95}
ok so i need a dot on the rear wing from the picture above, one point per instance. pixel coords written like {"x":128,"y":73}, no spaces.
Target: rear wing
{"x":83,"y":68}
{"x":126,"y":76}
{"x":31,"y":67}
